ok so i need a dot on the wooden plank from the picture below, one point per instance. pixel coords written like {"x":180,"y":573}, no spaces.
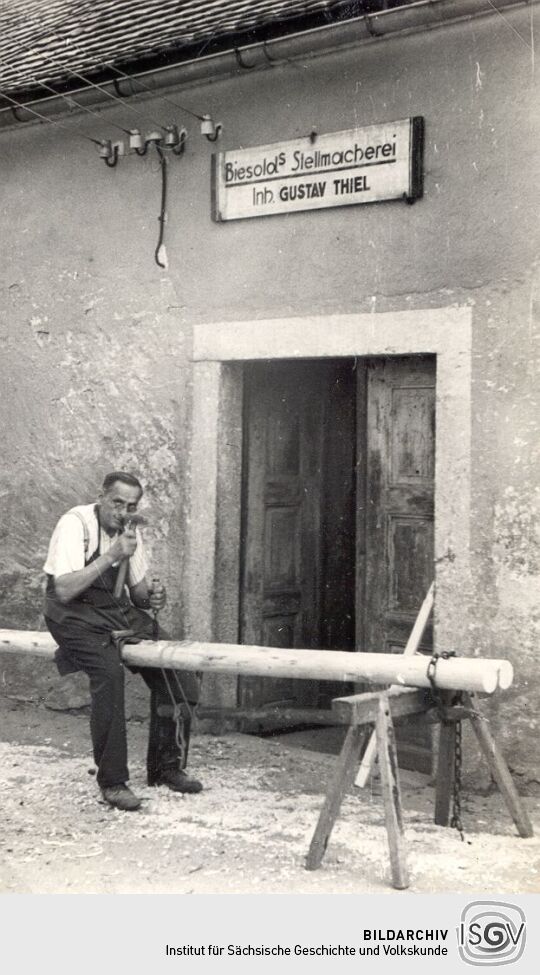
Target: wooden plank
{"x":364,"y":708}
{"x":378,"y":668}
{"x":341,"y":781}
{"x":411,"y":647}
{"x":499,"y":769}
{"x":424,"y":719}
{"x":388,"y":766}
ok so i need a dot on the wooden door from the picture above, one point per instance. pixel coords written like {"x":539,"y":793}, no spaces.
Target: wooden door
{"x":399,"y":510}
{"x":298,"y":510}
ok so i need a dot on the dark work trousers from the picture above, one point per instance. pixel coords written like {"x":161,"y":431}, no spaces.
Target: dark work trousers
{"x":170,"y":724}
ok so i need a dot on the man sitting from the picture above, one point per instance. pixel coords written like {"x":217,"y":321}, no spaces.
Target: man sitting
{"x":87,"y":547}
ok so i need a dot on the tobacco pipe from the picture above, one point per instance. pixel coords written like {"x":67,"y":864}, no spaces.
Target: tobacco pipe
{"x":130,"y":521}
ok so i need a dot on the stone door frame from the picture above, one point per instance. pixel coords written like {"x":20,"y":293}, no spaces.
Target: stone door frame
{"x":212,"y":567}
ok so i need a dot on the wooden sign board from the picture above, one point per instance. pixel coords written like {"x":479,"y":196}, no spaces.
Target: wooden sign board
{"x":377,"y":162}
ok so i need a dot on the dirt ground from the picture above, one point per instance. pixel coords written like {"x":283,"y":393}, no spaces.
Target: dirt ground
{"x":248,"y":832}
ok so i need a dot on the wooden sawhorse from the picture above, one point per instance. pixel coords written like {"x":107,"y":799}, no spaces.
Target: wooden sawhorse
{"x":380,"y":707}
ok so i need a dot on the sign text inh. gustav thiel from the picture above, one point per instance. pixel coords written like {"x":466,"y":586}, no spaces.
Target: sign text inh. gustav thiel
{"x":377,"y":162}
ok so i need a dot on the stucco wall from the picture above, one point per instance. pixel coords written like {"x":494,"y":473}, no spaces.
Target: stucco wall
{"x":96,"y":339}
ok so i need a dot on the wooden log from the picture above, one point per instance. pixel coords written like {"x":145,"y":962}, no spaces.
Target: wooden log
{"x":454,"y":673}
{"x":411,"y":647}
{"x":388,"y":765}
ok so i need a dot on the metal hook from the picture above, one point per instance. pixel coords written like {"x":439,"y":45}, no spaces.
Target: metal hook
{"x":112,"y":160}
{"x":369,"y":26}
{"x":241,"y":63}
{"x":217,"y":133}
{"x":118,"y":89}
{"x":267,"y":56}
{"x":209,"y":128}
{"x":179,"y":149}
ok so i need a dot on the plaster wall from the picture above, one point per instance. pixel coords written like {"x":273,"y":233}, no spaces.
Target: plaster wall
{"x":97,"y":341}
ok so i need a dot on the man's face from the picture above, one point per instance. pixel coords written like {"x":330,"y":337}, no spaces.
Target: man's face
{"x":116,"y":504}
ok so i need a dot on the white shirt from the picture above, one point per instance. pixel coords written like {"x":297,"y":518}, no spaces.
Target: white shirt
{"x":66,"y":548}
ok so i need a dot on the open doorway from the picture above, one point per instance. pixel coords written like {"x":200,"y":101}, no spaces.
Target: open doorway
{"x":337,"y":513}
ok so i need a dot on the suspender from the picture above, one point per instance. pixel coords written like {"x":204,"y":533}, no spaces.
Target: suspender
{"x":87,"y":533}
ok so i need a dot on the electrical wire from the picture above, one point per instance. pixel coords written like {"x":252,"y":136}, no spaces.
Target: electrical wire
{"x":143,"y":87}
{"x":70,"y":101}
{"x":46,"y":118}
{"x":512,"y":28}
{"x":137,"y":81}
{"x":61,"y":23}
{"x":92,"y":84}
{"x":111,"y":67}
{"x":88,"y":82}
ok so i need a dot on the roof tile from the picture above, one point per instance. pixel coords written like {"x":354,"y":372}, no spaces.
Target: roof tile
{"x":47,"y":40}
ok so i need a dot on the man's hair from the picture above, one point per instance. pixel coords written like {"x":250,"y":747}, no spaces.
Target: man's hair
{"x":122,"y":476}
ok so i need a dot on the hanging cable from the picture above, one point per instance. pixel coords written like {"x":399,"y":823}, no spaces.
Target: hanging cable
{"x":162,"y":212}
{"x":45,"y":118}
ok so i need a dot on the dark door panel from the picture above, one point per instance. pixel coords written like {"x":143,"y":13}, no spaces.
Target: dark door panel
{"x":298,"y":537}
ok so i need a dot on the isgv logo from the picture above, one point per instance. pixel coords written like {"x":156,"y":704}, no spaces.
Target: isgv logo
{"x":491,"y":933}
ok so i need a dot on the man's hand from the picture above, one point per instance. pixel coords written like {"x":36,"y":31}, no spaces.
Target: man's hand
{"x":124,"y":546}
{"x":157,"y":595}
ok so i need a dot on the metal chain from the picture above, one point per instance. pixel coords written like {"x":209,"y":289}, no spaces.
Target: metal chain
{"x":431,"y":674}
{"x":455,"y":819}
